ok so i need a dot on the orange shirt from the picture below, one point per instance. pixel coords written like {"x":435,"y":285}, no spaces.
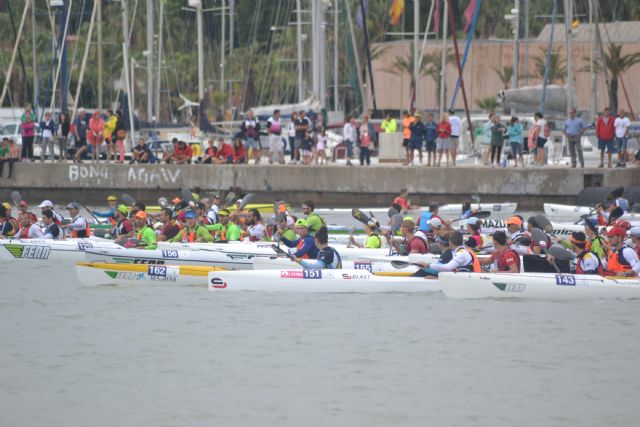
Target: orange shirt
{"x":406,"y":122}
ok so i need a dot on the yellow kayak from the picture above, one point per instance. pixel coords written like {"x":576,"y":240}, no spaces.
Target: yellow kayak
{"x":99,"y":273}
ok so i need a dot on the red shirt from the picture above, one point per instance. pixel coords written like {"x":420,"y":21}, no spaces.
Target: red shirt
{"x":417,"y":245}
{"x":404,"y":203}
{"x":239,"y":153}
{"x":184,"y":152}
{"x":444,"y":130}
{"x":505,"y":259}
{"x":224,"y":152}
{"x":605,"y":131}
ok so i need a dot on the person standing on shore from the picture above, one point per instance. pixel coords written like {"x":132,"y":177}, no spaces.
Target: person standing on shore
{"x":47,"y":130}
{"x":622,"y":124}
{"x":444,"y":139}
{"x":95,"y":134}
{"x":541,"y":136}
{"x":605,"y":131}
{"x":62,"y":135}
{"x":274,"y":130}
{"x":389,"y":125}
{"x":455,"y":134}
{"x":28,"y":130}
{"x":574,"y":127}
{"x":251,"y":132}
{"x":415,"y":141}
{"x":350,"y":136}
{"x":430,"y":137}
{"x":486,"y":141}
{"x":80,"y":134}
{"x":406,"y":135}
{"x":109,"y":135}
{"x":515,"y":141}
{"x":291,"y":132}
{"x":498,"y":132}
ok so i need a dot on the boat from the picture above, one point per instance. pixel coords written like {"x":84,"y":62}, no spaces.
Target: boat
{"x":317,"y":281}
{"x":263,"y":208}
{"x":98,"y":273}
{"x":168,"y":257}
{"x":370,"y":266}
{"x":42,"y":250}
{"x":575,"y":212}
{"x":548,"y":286}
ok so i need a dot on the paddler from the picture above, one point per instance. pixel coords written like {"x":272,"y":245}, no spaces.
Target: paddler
{"x":51,"y":229}
{"x":225,"y":230}
{"x":587,"y":262}
{"x":413,"y":242}
{"x":79,"y":226}
{"x":445,"y":257}
{"x":124,"y":227}
{"x":255,"y":230}
{"x":536,"y":247}
{"x":516,"y":237}
{"x":47,"y":205}
{"x":503,"y":259}
{"x":144,"y":233}
{"x":305,"y":244}
{"x":595,"y":243}
{"x":634,"y":233}
{"x":463,"y":257}
{"x":8,"y":225}
{"x":28,"y":230}
{"x":475,"y":241}
{"x":314,"y":221}
{"x":373,"y":240}
{"x":193,"y":232}
{"x":328,"y":258}
{"x":169,"y":229}
{"x":109,"y":214}
{"x":622,"y":259}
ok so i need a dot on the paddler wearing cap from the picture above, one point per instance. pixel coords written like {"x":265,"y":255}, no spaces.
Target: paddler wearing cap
{"x":305,"y":244}
{"x":79,"y":226}
{"x":109,"y":214}
{"x":327,"y":258}
{"x":193,"y":231}
{"x":47,"y":205}
{"x":476,"y":240}
{"x":587,"y":262}
{"x":622,"y":260}
{"x":517,"y":239}
{"x":373,"y":240}
{"x":124,"y":227}
{"x":225,"y":230}
{"x":144,"y":233}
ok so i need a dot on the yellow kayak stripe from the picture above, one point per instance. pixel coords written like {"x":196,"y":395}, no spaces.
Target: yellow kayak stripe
{"x":185,"y":270}
{"x":393,"y":273}
{"x":262,"y":208}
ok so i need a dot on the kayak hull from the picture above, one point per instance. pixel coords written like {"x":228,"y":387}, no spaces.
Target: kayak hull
{"x":167,"y":256}
{"x":545,"y":286}
{"x":96,"y":274}
{"x":555,"y":210}
{"x":370,"y":266}
{"x":318,"y":281}
{"x":44,"y":251}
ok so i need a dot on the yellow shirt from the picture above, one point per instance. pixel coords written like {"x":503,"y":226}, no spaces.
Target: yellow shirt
{"x":110,"y":126}
{"x":389,"y":126}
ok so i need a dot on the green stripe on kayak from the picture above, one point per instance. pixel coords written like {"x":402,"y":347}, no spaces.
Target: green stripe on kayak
{"x":501,"y":286}
{"x":112,"y":274}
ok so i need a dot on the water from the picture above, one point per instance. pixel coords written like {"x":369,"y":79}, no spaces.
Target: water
{"x":78,"y":356}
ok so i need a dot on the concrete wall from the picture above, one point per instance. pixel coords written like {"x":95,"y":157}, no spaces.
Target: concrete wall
{"x":331,"y":186}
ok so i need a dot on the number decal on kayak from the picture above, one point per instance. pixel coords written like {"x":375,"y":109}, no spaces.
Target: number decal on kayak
{"x":363,"y":265}
{"x":497,"y":208}
{"x":565,"y":280}
{"x":84,"y":246}
{"x":312,"y":274}
{"x":169,"y":254}
{"x":157,"y":270}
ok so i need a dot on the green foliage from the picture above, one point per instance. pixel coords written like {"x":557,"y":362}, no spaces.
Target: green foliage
{"x":488,"y":104}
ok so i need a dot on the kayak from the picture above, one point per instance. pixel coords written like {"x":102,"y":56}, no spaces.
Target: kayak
{"x":263,"y":208}
{"x":539,"y":286}
{"x":42,"y":250}
{"x":575,"y":212}
{"x":358,"y":281}
{"x":370,"y":266}
{"x":168,"y":256}
{"x":96,"y":273}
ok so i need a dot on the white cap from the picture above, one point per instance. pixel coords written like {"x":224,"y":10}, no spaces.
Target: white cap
{"x":634,"y":232}
{"x":290,"y":220}
{"x":435,"y":222}
{"x":46,"y":204}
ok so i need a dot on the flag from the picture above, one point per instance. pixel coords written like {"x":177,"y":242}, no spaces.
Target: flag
{"x":436,"y":18}
{"x":396,"y":11}
{"x":360,"y":20}
{"x":468,"y":15}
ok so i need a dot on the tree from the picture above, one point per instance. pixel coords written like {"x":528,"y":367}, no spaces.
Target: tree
{"x":617,"y":64}
{"x":505,"y":74}
{"x":488,"y":104}
{"x":557,"y":66}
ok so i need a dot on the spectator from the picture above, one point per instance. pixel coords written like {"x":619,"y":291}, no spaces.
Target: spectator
{"x":169,"y":151}
{"x":302,"y":124}
{"x":515,"y":141}
{"x":109,"y":135}
{"x":430,"y":136}
{"x":62,"y":135}
{"x":305,"y":148}
{"x":274,"y":131}
{"x":389,"y":125}
{"x":498,"y":132}
{"x":141,"y":153}
{"x":209,"y":153}
{"x":605,"y":131}
{"x":10,"y":155}
{"x":80,"y":134}
{"x":486,"y":141}
{"x":239,"y":152}
{"x":251,"y":132}
{"x":574,"y":128}
{"x":415,"y":140}
{"x":350,"y":136}
{"x":365,"y":142}
{"x":121,"y":134}
{"x":183,"y":153}
{"x":224,"y":153}
{"x":621,"y":125}
{"x":4,"y":155}
{"x":293,"y":149}
{"x":443,"y":143}
{"x":95,"y":134}
{"x":541,"y":136}
{"x":47,"y":130}
{"x":406,"y":135}
{"x":28,"y":112}
{"x":28,"y":130}
{"x":455,"y":123}
{"x":321,"y":147}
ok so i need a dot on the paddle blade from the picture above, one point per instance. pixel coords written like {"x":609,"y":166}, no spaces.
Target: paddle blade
{"x":162,"y":201}
{"x":246,"y":200}
{"x":281,"y":252}
{"x":186,"y":194}
{"x":128,"y":200}
{"x":400,"y":264}
{"x":617,"y":192}
{"x":615,"y":214}
{"x":539,"y":236}
{"x":481,"y":214}
{"x":229,"y":198}
{"x":358,"y":215}
{"x":544,"y":223}
{"x":16,"y":197}
{"x":391,"y":212}
{"x":396,"y":221}
{"x":561,"y":253}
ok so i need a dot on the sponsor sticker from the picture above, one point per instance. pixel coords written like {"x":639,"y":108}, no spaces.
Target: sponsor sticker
{"x":363,"y":265}
{"x":218,"y":283}
{"x":169,"y":254}
{"x":147,"y":261}
{"x":83,"y":246}
{"x":292,"y":274}
{"x":28,"y":251}
{"x":163,"y":271}
{"x":510,"y":287}
{"x":565,"y":280}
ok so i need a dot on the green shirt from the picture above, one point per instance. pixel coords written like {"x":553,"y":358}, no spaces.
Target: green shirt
{"x":289,"y":234}
{"x":4,"y":151}
{"x":373,"y":242}
{"x":389,"y":126}
{"x":598,"y":247}
{"x":314,"y":222}
{"x":148,"y":237}
{"x":200,"y":232}
{"x":231,"y":231}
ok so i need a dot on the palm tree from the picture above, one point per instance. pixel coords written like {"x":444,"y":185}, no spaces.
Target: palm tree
{"x":505,"y":74}
{"x":488,"y":104}
{"x":617,"y":64}
{"x":557,"y":66}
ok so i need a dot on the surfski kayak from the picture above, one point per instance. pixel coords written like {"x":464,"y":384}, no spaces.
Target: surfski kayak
{"x":370,"y":266}
{"x":575,"y":212}
{"x":43,"y":251}
{"x":318,"y":281}
{"x":95,"y":274}
{"x":548,"y":286}
{"x":168,"y":256}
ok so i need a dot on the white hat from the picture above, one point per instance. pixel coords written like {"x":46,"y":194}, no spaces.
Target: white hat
{"x":46,"y":204}
{"x":634,"y":232}
{"x":290,"y":220}
{"x":435,"y":222}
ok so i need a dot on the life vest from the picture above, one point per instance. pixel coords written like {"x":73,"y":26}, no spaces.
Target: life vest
{"x":82,"y":233}
{"x":617,"y":263}
{"x":14,"y":224}
{"x":140,"y":232}
{"x":191,"y":235}
{"x":112,"y":221}
{"x":475,"y":263}
{"x":599,"y":271}
{"x":119,"y":228}
{"x":502,"y":266}
{"x":603,"y":244}
{"x":24,"y":232}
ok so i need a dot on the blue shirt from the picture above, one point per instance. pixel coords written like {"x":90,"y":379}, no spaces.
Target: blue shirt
{"x":574,"y":127}
{"x":308,"y":247}
{"x":328,"y":258}
{"x":515,"y":134}
{"x":430,"y":133}
{"x":423,"y":222}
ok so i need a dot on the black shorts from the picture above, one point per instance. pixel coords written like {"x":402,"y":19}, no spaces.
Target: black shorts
{"x":405,"y":142}
{"x":540,"y":142}
{"x":80,"y":143}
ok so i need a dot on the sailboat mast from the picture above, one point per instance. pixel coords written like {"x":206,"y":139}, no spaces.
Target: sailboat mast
{"x":150,"y":60}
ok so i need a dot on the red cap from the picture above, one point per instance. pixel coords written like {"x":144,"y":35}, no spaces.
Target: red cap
{"x":617,"y":231}
{"x":624,"y":224}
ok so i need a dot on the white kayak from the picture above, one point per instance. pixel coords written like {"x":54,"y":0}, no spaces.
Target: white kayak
{"x":370,"y":266}
{"x":95,"y":274}
{"x":317,"y":281}
{"x":168,"y":256}
{"x":537,"y":286}
{"x":575,"y":212}
{"x":43,"y":251}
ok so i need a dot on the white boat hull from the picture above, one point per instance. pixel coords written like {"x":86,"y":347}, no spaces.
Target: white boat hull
{"x":97,"y":274}
{"x":370,"y":266}
{"x":168,"y":256}
{"x":317,"y":281}
{"x":43,"y":251}
{"x":554,"y":210}
{"x":545,"y":286}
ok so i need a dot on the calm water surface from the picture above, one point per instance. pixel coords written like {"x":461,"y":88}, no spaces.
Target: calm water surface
{"x":142,"y":356}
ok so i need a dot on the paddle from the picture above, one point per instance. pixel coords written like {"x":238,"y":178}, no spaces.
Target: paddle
{"x":544,"y":223}
{"x":561,"y":253}
{"x":16,"y":198}
{"x":163,"y":202}
{"x":229,"y":198}
{"x":246,"y":200}
{"x":358,"y":215}
{"x":282,"y":252}
{"x":614,"y":194}
{"x":539,"y":236}
{"x":128,"y":200}
{"x":90,"y":211}
{"x":404,"y":264}
{"x":479,"y":215}
{"x":615,"y":215}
